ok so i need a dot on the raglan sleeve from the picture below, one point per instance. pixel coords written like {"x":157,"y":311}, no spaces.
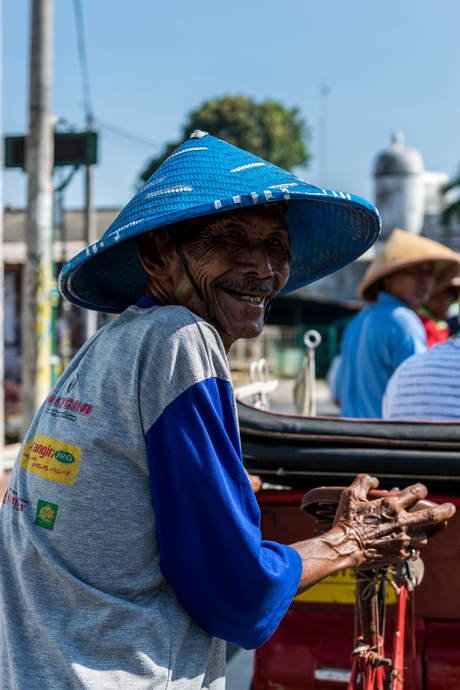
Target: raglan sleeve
{"x":236,"y":585}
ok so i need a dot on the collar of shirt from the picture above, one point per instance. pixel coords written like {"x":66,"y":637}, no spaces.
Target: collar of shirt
{"x":386,"y":298}
{"x":147,"y":303}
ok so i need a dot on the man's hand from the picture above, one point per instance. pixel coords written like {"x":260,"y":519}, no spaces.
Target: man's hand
{"x":369,"y":533}
{"x":382,"y":532}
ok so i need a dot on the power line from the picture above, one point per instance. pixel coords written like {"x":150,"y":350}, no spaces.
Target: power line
{"x":126,"y":144}
{"x":127,"y":134}
{"x":82,"y":58}
{"x":108,"y":127}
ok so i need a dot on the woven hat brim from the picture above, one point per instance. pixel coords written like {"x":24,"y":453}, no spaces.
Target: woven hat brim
{"x":445,"y":270}
{"x":207,"y":175}
{"x":326,"y":234}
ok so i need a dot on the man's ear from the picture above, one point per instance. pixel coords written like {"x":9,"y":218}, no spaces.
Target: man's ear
{"x":154,"y":249}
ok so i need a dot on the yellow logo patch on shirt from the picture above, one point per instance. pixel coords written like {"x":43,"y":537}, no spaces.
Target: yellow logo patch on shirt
{"x":55,"y":460}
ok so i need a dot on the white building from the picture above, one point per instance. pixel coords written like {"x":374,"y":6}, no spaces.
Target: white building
{"x":408,"y":197}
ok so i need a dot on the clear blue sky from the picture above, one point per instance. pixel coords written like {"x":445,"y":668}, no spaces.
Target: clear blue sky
{"x":389,"y":65}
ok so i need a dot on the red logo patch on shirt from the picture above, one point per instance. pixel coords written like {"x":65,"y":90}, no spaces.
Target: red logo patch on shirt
{"x":70,"y":404}
{"x":67,"y":408}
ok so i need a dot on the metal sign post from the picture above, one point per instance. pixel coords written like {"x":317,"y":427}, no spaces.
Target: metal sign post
{"x":90,"y":235}
{"x":311,"y":339}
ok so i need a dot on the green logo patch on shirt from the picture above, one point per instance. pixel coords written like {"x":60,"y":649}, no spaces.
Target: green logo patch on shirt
{"x":46,"y":514}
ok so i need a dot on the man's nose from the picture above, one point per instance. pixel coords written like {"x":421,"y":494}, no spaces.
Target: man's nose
{"x":257,"y":261}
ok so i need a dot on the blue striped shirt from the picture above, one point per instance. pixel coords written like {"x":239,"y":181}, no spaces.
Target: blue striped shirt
{"x":426,"y":386}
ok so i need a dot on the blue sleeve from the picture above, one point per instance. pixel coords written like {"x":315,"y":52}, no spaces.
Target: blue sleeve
{"x":235,"y":585}
{"x":409,"y":336}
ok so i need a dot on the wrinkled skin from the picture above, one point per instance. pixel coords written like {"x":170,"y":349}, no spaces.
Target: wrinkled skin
{"x":385,"y":532}
{"x":369,"y":534}
{"x":247,"y":253}
{"x":239,"y":254}
{"x":413,"y":285}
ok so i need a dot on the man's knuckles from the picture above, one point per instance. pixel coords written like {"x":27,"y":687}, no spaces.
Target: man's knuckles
{"x":428,"y":516}
{"x":361,"y":486}
{"x":389,"y":507}
{"x":409,"y":496}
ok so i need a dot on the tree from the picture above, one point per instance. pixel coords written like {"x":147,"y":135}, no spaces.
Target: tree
{"x":268,"y":129}
{"x":452,"y":210}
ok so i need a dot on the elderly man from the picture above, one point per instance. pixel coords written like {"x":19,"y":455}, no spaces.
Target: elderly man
{"x":402,"y":278}
{"x":136,"y":548}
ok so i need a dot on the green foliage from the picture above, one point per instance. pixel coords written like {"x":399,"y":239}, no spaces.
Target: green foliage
{"x":268,"y":129}
{"x":452,"y":210}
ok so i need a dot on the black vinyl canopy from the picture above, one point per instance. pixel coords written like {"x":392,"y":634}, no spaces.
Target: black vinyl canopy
{"x":303,"y":452}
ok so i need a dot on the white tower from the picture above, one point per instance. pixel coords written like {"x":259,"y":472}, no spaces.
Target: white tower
{"x":400,"y":188}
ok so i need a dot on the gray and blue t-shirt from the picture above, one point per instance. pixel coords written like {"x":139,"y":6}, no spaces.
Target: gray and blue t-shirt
{"x":129,"y":532}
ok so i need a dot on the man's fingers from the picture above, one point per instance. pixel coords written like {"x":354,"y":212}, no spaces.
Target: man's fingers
{"x":410,"y":495}
{"x":417,"y":539}
{"x":361,"y":486}
{"x":430,"y":516}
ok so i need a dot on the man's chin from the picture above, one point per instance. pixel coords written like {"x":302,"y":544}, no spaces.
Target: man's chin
{"x":247,"y":331}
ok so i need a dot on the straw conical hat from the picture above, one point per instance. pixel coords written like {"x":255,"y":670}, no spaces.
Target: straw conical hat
{"x":327,"y":229}
{"x":403,"y":250}
{"x":454,"y":284}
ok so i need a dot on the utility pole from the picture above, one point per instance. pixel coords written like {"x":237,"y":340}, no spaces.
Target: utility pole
{"x":90,"y":216}
{"x":37,"y":285}
{"x":2,"y":285}
{"x":90,"y":232}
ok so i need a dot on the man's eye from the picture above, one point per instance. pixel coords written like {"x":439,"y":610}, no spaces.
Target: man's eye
{"x":234,"y":234}
{"x":275,"y":240}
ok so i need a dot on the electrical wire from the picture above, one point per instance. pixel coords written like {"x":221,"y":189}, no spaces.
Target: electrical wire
{"x":127,"y":134}
{"x":125,"y":144}
{"x":108,"y":127}
{"x":82,"y":58}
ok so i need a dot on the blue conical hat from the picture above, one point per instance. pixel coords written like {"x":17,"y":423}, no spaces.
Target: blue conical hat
{"x":205,"y":175}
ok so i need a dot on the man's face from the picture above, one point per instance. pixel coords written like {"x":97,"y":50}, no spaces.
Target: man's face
{"x":440,"y":303}
{"x":239,"y":261}
{"x":412,"y":285}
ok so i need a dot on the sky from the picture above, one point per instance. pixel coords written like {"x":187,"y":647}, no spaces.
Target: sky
{"x":388,"y":66}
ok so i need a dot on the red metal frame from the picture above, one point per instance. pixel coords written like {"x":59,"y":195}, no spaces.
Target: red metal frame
{"x":398,"y":644}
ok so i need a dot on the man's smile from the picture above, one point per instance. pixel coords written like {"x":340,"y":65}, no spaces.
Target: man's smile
{"x":227,"y":269}
{"x":249,"y":299}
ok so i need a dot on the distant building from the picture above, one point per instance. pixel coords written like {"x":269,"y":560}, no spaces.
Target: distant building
{"x":408,"y":197}
{"x":69,"y":240}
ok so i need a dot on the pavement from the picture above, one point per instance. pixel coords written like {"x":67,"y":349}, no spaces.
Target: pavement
{"x":282,"y":399}
{"x":238,"y":674}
